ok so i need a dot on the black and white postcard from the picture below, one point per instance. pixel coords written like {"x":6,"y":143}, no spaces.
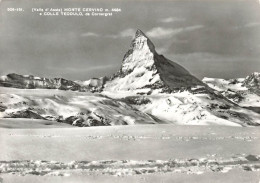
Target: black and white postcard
{"x":146,"y":91}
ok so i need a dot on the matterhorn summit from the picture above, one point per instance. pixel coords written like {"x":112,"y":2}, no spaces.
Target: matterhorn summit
{"x":144,"y":70}
{"x":141,"y":53}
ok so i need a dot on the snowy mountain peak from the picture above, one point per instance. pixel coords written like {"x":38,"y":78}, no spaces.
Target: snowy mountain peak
{"x":143,"y":70}
{"x":140,"y":54}
{"x":139,"y":33}
{"x":141,"y":41}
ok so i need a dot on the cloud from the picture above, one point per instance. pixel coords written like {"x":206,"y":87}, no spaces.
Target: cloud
{"x":90,"y":34}
{"x":100,"y":67}
{"x":161,"y":33}
{"x":123,"y":34}
{"x":161,"y":50}
{"x":248,"y":25}
{"x":216,"y":65}
{"x":75,"y":70}
{"x":212,"y":57}
{"x":252,"y":24}
{"x":171,"y":19}
{"x":127,"y":33}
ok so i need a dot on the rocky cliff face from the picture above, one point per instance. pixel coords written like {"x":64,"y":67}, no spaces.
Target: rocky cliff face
{"x":253,"y":81}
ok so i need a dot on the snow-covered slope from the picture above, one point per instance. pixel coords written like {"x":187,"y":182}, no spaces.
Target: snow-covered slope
{"x":76,"y":108}
{"x":88,"y":109}
{"x":243,"y":91}
{"x":222,"y":84}
{"x":186,"y":108}
{"x":93,"y":84}
{"x":144,"y":70}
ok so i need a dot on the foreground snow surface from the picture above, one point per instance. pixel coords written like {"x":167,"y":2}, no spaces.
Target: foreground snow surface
{"x":142,"y":153}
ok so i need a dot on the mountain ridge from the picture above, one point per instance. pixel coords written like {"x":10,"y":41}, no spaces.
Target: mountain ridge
{"x":33,"y":82}
{"x":147,"y":89}
{"x":242,"y":91}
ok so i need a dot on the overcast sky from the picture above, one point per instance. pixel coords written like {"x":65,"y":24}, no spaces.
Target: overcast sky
{"x":210,"y":38}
